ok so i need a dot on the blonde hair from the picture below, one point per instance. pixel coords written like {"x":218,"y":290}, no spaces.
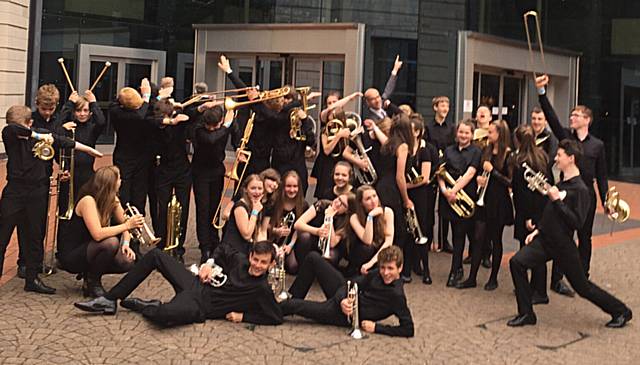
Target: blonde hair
{"x":18,"y":114}
{"x":130,"y":98}
{"x":47,"y":95}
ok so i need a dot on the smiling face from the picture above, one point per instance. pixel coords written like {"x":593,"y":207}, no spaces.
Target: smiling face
{"x":370,"y":200}
{"x":373,"y":98}
{"x":341,"y":176}
{"x":291,"y":187}
{"x":538,"y":122}
{"x":578,"y":119}
{"x":255,"y":189}
{"x":82,"y":114}
{"x":390,"y":272}
{"x":442,"y":109}
{"x":563,"y":160}
{"x":464,"y":135}
{"x":340,"y":204}
{"x":270,"y":186}
{"x":259,"y":263}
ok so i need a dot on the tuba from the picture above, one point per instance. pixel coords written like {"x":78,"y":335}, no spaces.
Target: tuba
{"x":464,"y":206}
{"x":296,"y":123}
{"x":144,"y":234}
{"x":174,"y":214}
{"x":352,"y":295}
{"x":241,"y":154}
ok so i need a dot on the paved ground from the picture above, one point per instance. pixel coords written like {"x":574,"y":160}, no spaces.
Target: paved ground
{"x":452,"y":326}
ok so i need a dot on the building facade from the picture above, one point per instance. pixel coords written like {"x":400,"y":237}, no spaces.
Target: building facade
{"x":474,"y":51}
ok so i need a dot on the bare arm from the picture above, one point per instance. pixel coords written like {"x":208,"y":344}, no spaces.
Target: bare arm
{"x":302,"y":224}
{"x":388,"y":237}
{"x":88,"y":210}
{"x":464,"y":179}
{"x":401,"y":179}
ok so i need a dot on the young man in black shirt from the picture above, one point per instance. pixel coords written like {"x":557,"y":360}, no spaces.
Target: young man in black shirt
{"x":245,"y":296}
{"x":25,"y":197}
{"x":593,"y":166}
{"x":565,"y":213}
{"x":381,"y":294}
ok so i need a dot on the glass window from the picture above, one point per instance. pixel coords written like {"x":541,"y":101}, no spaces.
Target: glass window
{"x":332,"y":79}
{"x":384,"y":54}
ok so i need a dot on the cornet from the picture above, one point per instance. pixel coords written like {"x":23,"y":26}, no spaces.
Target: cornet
{"x":144,"y":234}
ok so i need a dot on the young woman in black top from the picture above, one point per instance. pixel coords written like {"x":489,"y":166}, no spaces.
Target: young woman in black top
{"x":462,"y":160}
{"x":326,"y":160}
{"x":372,"y":229}
{"x":497,"y":211}
{"x":392,"y":184}
{"x":421,"y":194}
{"x":310,"y":227}
{"x":243,"y":227}
{"x":289,"y":204}
{"x":88,"y":243}
{"x":342,"y":178}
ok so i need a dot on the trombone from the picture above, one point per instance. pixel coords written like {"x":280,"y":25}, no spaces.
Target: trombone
{"x":230,"y":104}
{"x":241,"y":154}
{"x":213,"y":95}
{"x":539,"y":36}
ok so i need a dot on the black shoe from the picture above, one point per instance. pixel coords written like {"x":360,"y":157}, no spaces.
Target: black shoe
{"x":486,"y":263}
{"x":620,"y":320}
{"x":37,"y":286}
{"x":426,"y":279}
{"x":137,"y":305}
{"x":447,"y":248}
{"x":466,"y":284}
{"x":22,"y":272}
{"x":98,"y":305}
{"x":453,"y":279}
{"x":459,"y":274}
{"x":93,"y":288}
{"x":406,"y":279}
{"x":539,"y":299}
{"x":563,"y":289}
{"x":467,"y":260}
{"x":491,"y":285}
{"x":522,"y":320}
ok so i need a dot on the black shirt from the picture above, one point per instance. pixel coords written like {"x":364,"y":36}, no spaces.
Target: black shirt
{"x":561,"y":218}
{"x":440,"y":135}
{"x":133,"y":132}
{"x":209,"y":151}
{"x":242,"y":292}
{"x":459,"y":160}
{"x":377,"y":301}
{"x":593,"y":164}
{"x":86,"y":133}
{"x":40,"y":122}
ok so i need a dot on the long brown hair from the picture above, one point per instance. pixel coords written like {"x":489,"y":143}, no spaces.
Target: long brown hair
{"x":504,"y":141}
{"x":378,"y":222}
{"x":528,"y":152}
{"x":281,"y":196}
{"x":270,"y":174}
{"x":103,"y":187}
{"x":401,"y":132}
{"x":244,"y":193}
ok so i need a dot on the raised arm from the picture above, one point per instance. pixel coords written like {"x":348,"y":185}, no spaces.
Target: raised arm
{"x":547,"y":108}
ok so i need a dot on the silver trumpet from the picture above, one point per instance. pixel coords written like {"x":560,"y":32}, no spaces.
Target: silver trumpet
{"x":483,"y":189}
{"x":352,"y":295}
{"x":277,"y":278}
{"x":143,"y":234}
{"x":536,"y":181}
{"x":218,"y":277}
{"x":324,"y":243}
{"x":413,"y":226}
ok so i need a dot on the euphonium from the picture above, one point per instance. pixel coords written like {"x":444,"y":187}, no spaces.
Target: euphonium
{"x":352,"y":295}
{"x":71,"y":161}
{"x":464,"y":206}
{"x":324,"y":243}
{"x":483,"y":189}
{"x":143,"y":234}
{"x":413,"y":226}
{"x":352,"y":121}
{"x":174,"y":214}
{"x":618,"y":209}
{"x":232,"y":175}
{"x":230,"y":104}
{"x":296,"y":123}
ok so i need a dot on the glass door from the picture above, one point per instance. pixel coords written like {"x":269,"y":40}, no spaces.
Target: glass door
{"x":630,"y":143}
{"x":502,"y":93}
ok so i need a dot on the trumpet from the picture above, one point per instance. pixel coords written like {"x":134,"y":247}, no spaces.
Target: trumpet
{"x":71,"y":160}
{"x":278,"y":279}
{"x":464,"y":206}
{"x":368,"y":176}
{"x":324,"y":243}
{"x":213,"y":95}
{"x":231,"y":104}
{"x":232,"y":175}
{"x":296,"y":123}
{"x":217,"y":278}
{"x":352,"y":296}
{"x":174,"y":229}
{"x":144,"y":234}
{"x":413,"y":227}
{"x":287,"y":221}
{"x":483,"y":189}
{"x":536,"y":181}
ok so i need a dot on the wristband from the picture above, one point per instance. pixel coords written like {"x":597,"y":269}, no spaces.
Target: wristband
{"x":37,"y":136}
{"x":542,"y":91}
{"x":229,"y":71}
{"x":125,"y":243}
{"x":255,"y":213}
{"x":369,"y":218}
{"x":228,"y":124}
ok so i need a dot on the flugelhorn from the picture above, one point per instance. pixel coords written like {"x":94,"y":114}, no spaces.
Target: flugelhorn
{"x":100,"y":75}
{"x":539,"y":36}
{"x":144,"y":235}
{"x":352,"y":296}
{"x":66,"y":74}
{"x":230,"y":104}
{"x":464,"y":206}
{"x":413,"y":226}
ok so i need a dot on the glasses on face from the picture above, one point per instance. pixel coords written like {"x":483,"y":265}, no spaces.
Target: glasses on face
{"x":342,"y":204}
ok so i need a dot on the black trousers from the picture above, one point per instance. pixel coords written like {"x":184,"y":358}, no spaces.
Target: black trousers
{"x":443,"y":223}
{"x":327,"y":312}
{"x":166,"y":182}
{"x":567,"y":257}
{"x":25,"y":208}
{"x":584,"y":241}
{"x":134,"y":186}
{"x":461,"y":229}
{"x":538,"y":280}
{"x":208,"y":193}
{"x":307,"y":243}
{"x":187,"y":306}
{"x":316,"y":267}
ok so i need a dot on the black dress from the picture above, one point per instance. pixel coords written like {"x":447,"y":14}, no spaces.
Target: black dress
{"x":232,"y":236}
{"x":73,"y":240}
{"x":528,"y":204}
{"x":498,"y":208}
{"x":307,"y":242}
{"x":389,"y":194}
{"x":323,"y":171}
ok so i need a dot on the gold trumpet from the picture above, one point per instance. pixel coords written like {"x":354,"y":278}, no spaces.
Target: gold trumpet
{"x":539,"y":36}
{"x":296,"y":123}
{"x":230,"y":104}
{"x":232,"y":175}
{"x":174,"y":214}
{"x":464,"y":206}
{"x":144,"y":234}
